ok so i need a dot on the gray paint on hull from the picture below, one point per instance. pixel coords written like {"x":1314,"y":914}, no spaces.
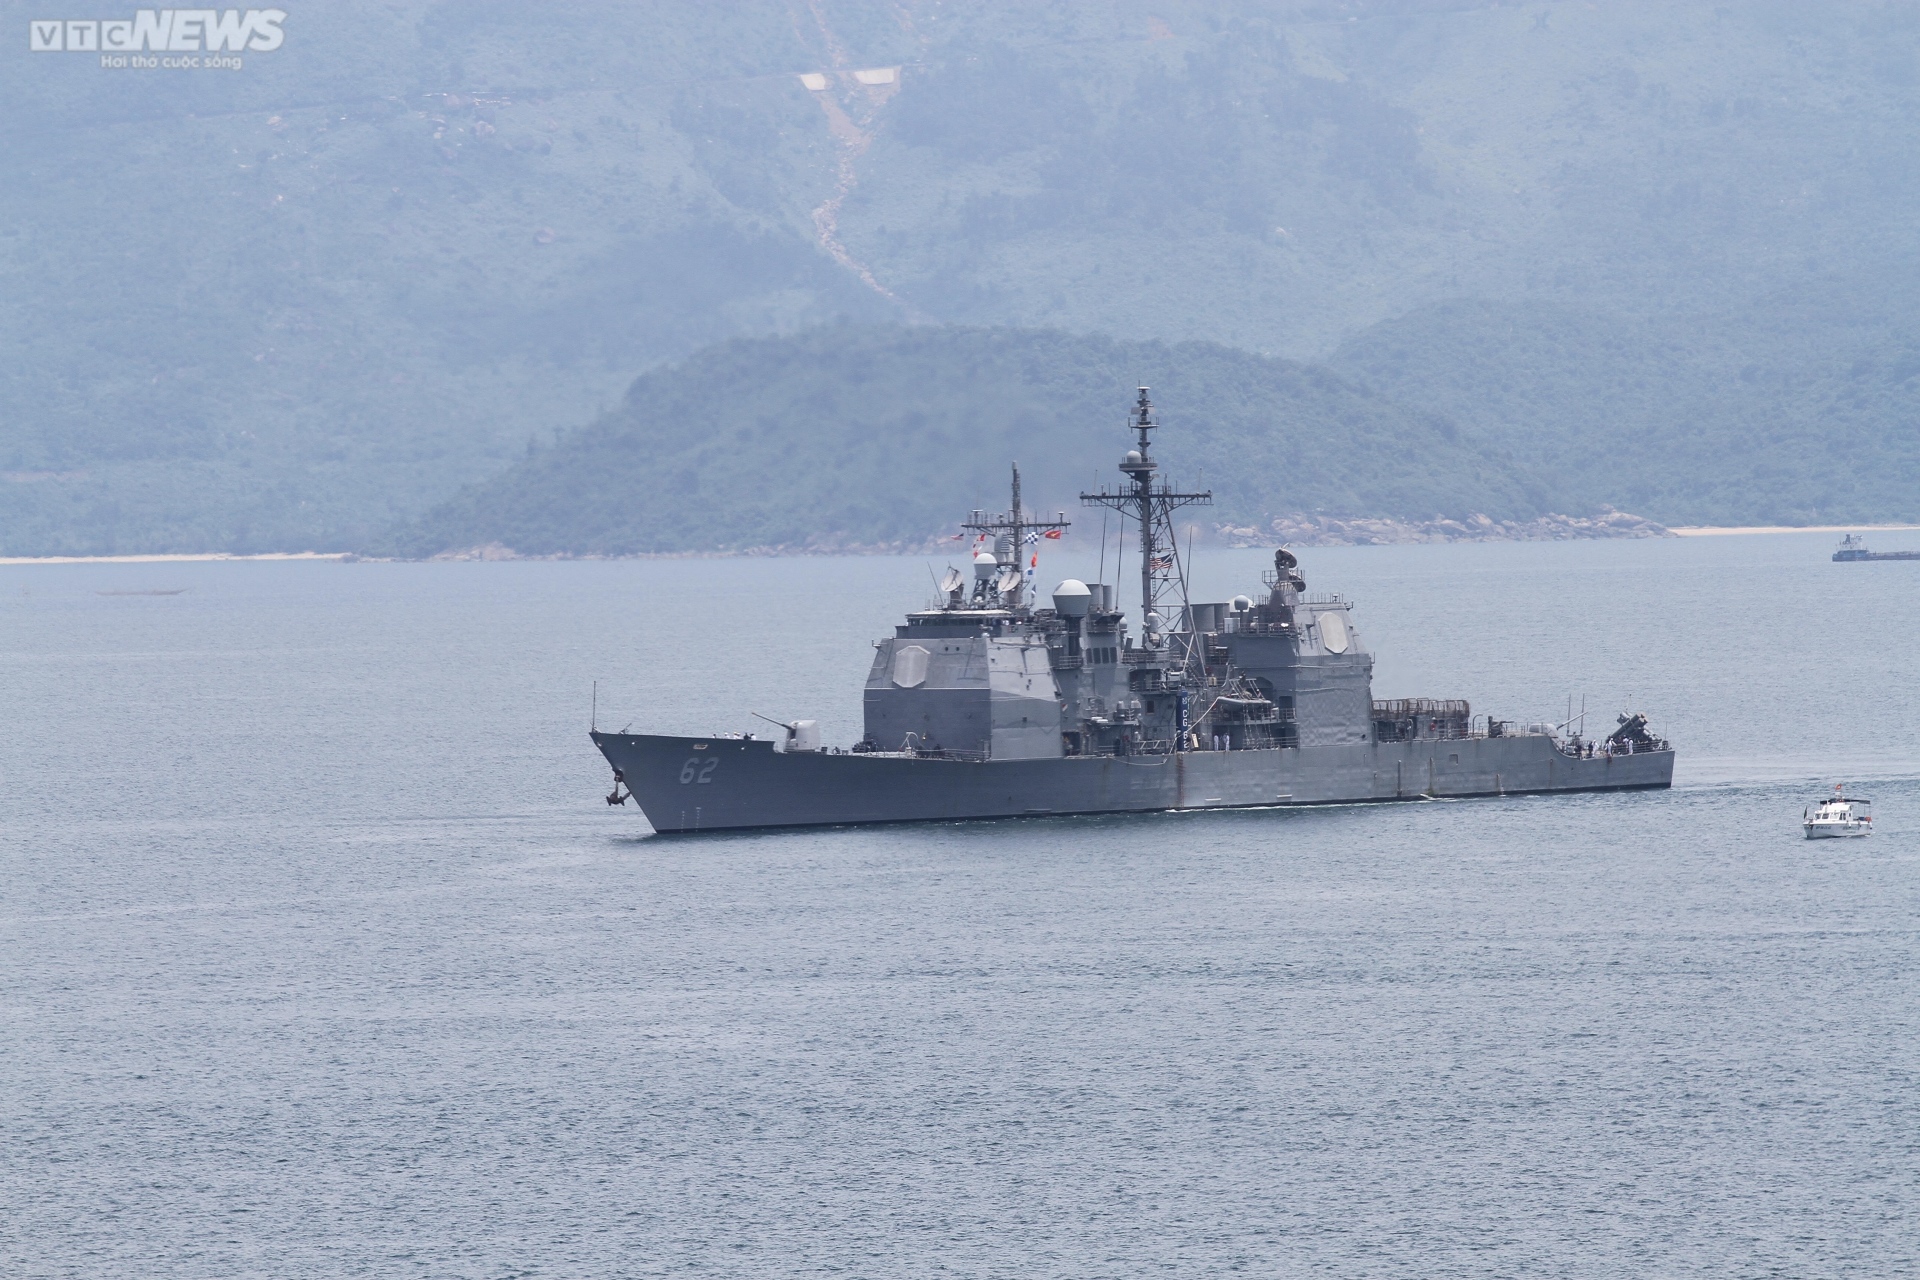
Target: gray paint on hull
{"x":717,"y":784}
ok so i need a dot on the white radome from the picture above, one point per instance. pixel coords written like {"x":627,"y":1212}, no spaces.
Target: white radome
{"x":1072,"y":599}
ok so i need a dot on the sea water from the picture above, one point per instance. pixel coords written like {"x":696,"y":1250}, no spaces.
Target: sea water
{"x":322,"y":955}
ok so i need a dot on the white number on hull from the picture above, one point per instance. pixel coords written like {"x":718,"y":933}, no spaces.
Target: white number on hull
{"x":698,"y":770}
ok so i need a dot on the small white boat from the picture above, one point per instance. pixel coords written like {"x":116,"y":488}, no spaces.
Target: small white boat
{"x":1839,"y":815}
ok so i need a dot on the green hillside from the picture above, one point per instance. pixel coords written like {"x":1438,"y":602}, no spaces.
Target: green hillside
{"x":290,"y":305}
{"x":870,"y":436}
{"x":1804,"y":410}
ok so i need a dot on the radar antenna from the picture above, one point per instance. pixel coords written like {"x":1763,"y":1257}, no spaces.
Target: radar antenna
{"x":1152,"y":507}
{"x":1020,"y":524}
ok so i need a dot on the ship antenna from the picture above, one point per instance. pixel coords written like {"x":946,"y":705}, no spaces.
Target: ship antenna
{"x":1142,"y":474}
{"x":1103,"y":546}
{"x":1019,"y":538}
{"x":1015,"y":509}
{"x":1014,"y":523}
{"x":1152,"y":507}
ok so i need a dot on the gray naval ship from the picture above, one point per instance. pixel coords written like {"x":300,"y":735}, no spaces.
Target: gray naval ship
{"x":989,"y":707}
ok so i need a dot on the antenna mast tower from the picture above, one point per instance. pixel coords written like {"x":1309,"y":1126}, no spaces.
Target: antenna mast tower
{"x":1161,"y":574}
{"x":1016,"y":521}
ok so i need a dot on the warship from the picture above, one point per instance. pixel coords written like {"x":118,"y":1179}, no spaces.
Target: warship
{"x":988,"y":705}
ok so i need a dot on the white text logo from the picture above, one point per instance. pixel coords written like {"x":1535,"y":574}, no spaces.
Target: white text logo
{"x":162,"y":31}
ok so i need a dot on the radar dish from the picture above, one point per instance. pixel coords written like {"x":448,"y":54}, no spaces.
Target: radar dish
{"x":951,"y":580}
{"x":1009,"y":579}
{"x":1285,"y":559}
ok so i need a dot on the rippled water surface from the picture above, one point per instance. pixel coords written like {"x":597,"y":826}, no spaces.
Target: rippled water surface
{"x":323,"y":957}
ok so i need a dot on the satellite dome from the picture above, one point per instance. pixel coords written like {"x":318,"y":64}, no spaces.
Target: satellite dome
{"x":1242,"y":603}
{"x":1133,"y":459}
{"x":1072,"y":599}
{"x":985,"y":565}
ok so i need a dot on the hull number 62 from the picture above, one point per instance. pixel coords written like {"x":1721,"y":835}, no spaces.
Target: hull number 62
{"x":698,"y":770}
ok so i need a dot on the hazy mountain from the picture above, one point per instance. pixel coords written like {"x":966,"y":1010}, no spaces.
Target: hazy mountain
{"x":849,"y":435}
{"x":1803,"y":409}
{"x":288,"y":305}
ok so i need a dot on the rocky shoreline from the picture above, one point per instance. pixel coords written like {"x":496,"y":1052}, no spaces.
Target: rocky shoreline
{"x":1297,"y":530}
{"x":1363,"y":531}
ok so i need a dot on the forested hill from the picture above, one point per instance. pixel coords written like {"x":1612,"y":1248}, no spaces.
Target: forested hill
{"x":286,"y":306}
{"x":870,"y":436}
{"x":1802,"y":409}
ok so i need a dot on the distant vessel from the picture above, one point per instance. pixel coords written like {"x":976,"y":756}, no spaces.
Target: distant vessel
{"x":1839,"y":815}
{"x":986,"y":706}
{"x":1854,"y":547}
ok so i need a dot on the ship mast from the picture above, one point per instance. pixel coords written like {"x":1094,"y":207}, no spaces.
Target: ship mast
{"x":1017,"y":522}
{"x":1153,"y":508}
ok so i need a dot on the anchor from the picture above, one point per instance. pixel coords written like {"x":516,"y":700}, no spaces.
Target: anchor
{"x":614,"y":796}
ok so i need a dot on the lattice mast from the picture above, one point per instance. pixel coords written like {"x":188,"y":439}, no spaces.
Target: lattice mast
{"x":1162,"y":576}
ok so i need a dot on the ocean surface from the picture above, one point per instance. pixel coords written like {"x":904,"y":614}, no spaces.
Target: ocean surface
{"x":322,"y":955}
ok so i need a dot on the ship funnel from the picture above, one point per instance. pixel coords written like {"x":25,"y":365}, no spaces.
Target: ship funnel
{"x":1072,"y":599}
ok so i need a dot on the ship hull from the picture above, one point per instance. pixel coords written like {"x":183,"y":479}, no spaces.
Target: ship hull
{"x":688,"y":785}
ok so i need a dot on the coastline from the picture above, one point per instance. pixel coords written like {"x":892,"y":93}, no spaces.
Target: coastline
{"x":1721,"y":531}
{"x":496,"y":552}
{"x":183,"y":557}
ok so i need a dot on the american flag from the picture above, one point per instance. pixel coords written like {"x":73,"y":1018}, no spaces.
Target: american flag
{"x":1160,"y":562}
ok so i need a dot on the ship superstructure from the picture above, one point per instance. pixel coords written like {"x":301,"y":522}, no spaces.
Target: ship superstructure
{"x":995,"y":704}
